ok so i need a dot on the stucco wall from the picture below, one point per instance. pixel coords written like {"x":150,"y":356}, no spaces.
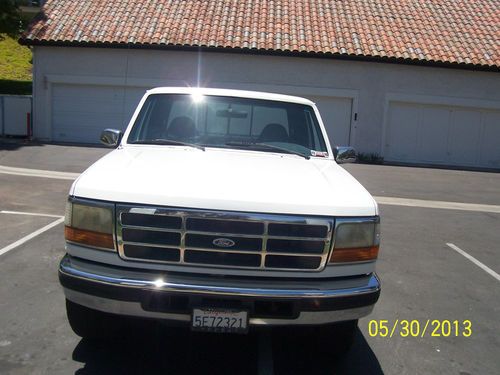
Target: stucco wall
{"x":370,"y":84}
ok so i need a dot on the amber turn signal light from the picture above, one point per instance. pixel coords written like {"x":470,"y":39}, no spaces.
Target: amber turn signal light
{"x":354,"y":255}
{"x":89,"y":238}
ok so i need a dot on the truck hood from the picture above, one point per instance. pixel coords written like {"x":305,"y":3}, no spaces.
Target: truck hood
{"x":222,"y":179}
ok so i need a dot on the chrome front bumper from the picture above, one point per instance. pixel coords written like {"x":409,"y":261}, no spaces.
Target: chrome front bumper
{"x":127,"y":292}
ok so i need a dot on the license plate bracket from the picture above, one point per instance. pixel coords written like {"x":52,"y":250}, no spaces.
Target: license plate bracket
{"x":219,"y":320}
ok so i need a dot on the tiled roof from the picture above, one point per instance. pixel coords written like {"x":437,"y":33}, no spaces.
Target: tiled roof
{"x":463,"y":32}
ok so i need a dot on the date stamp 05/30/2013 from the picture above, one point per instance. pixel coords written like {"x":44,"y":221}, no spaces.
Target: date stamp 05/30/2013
{"x":420,"y":328}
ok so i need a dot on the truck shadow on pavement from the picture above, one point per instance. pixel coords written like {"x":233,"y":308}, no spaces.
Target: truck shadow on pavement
{"x":159,"y":349}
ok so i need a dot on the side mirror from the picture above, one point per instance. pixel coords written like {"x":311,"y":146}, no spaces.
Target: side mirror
{"x":344,"y":154}
{"x":111,"y":137}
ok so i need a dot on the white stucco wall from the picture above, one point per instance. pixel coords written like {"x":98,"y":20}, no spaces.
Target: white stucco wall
{"x":371,"y":85}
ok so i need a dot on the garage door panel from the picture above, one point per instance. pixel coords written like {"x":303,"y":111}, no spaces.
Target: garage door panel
{"x":82,"y":104}
{"x":95,"y":91}
{"x":132,"y":99}
{"x":81,"y":112}
{"x":83,"y":126}
{"x":490,"y":146}
{"x":86,"y":117}
{"x":336,"y":115}
{"x":433,"y":134}
{"x":403,"y":129}
{"x":465,"y":131}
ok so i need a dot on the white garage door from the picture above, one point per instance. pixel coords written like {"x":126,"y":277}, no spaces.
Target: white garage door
{"x":81,"y":112}
{"x":423,"y":133}
{"x":336,"y":114}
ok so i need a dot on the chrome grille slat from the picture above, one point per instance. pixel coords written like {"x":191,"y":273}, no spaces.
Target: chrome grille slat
{"x":221,"y":234}
{"x":309,"y":253}
{"x":243,"y":252}
{"x":264,"y":245}
{"x":217,"y":250}
{"x":153,"y":229}
{"x":149,"y":244}
{"x":223,"y":250}
{"x":167,"y":222}
{"x":183,"y":238}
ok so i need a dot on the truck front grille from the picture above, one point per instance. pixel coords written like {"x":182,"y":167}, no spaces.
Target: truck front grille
{"x":223,"y":239}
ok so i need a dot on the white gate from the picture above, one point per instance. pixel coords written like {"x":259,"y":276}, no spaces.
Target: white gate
{"x":15,"y":115}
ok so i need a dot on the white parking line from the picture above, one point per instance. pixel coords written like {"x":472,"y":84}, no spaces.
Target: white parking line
{"x":38,"y":173}
{"x":27,"y":213}
{"x":30,"y":236}
{"x":438,"y":204}
{"x":474,"y":260}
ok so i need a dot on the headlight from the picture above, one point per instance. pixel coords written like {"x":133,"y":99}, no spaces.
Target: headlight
{"x":356,"y":240}
{"x":90,"y":224}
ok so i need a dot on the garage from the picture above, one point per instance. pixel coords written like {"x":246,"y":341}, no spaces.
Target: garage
{"x":81,"y":112}
{"x":449,"y":135}
{"x":390,"y":98}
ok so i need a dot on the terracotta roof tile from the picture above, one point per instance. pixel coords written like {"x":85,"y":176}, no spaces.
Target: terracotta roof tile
{"x":449,"y":31}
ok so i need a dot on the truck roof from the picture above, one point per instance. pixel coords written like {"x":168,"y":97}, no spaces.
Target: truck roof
{"x":232,"y":93}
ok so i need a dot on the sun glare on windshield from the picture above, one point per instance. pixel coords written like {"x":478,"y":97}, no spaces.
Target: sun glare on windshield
{"x":197,"y":97}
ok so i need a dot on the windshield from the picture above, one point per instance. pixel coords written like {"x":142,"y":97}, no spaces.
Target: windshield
{"x":228,"y":122}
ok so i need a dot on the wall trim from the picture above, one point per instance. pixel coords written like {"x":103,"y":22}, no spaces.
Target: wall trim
{"x":265,"y":52}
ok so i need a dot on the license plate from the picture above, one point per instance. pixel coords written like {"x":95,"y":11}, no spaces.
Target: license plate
{"x":219,"y":320}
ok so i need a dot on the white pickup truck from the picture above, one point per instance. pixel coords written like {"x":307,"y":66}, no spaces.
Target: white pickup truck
{"x":222,"y":210}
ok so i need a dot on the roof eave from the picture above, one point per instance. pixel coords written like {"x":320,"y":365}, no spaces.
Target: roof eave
{"x":254,"y":51}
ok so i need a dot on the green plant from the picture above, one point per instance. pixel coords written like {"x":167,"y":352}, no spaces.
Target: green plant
{"x":11,"y":20}
{"x":11,"y":87}
{"x":370,"y":158}
{"x":15,"y":60}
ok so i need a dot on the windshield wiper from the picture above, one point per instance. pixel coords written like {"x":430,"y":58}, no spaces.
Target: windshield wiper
{"x":268,"y":146}
{"x":163,"y":141}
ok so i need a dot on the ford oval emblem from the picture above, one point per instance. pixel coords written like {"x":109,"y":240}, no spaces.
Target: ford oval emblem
{"x":223,"y":242}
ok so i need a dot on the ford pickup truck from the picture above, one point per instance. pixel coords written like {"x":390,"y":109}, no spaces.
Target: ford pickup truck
{"x":222,"y":210}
